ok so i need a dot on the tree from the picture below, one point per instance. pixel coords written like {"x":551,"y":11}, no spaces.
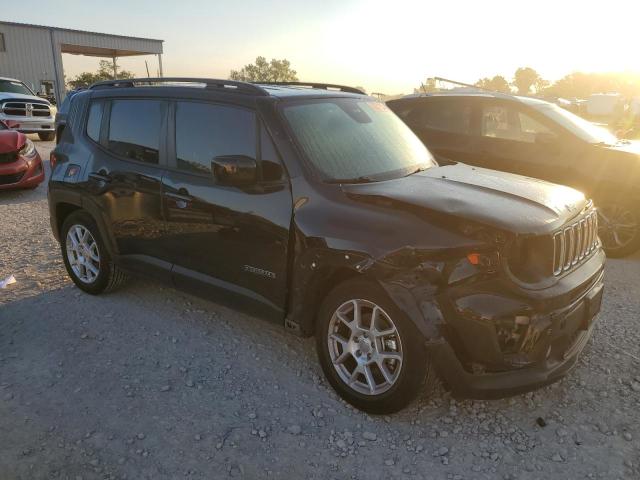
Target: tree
{"x":263,"y":71}
{"x":581,"y":85}
{"x":496,"y":84}
{"x":524,"y":79}
{"x":541,"y":85}
{"x":105,"y":72}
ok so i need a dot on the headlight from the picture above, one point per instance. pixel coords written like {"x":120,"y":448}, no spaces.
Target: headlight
{"x":28,"y":149}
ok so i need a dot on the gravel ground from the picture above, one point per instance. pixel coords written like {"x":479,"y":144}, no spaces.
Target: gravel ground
{"x":152,"y":383}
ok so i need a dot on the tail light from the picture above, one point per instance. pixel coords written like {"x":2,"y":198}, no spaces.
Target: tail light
{"x":52,"y":161}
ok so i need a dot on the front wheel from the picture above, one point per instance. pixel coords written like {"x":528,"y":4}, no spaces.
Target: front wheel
{"x":370,"y":352}
{"x":619,"y":229}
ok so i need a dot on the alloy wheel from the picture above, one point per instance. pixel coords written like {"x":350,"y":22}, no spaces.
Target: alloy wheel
{"x":365,"y":347}
{"x":83,"y":254}
{"x":617,"y":226}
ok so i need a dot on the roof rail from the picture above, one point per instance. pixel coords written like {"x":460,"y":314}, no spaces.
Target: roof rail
{"x":231,"y":85}
{"x":323,"y":86}
{"x":468,"y":85}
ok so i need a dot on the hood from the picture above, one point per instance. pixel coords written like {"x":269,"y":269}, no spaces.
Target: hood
{"x":509,"y":202}
{"x":19,"y":96}
{"x":631,"y":147}
{"x":11,"y":141}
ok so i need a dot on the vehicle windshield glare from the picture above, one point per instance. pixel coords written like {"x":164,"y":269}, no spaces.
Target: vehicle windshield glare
{"x":356,"y":140}
{"x":11,"y":86}
{"x":580,"y":127}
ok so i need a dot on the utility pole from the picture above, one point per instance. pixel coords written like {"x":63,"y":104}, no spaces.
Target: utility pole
{"x":115,"y":69}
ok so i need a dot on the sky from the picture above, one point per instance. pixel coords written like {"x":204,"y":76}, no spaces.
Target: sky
{"x":383,"y":46}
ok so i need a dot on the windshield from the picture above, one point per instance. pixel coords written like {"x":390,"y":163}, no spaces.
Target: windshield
{"x":580,"y":127}
{"x":11,"y":86}
{"x":354,"y":140}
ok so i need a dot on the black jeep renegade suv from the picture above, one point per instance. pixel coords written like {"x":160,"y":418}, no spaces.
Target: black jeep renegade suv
{"x":315,"y":206}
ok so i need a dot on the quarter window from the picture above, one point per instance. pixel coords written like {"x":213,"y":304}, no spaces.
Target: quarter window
{"x":134,"y":129}
{"x":205,"y":131}
{"x":508,"y":124}
{"x":94,"y":121}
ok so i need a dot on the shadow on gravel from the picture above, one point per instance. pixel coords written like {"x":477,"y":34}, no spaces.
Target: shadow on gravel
{"x":148,"y":382}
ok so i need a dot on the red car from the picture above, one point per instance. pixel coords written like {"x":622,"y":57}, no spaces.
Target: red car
{"x":20,"y":163}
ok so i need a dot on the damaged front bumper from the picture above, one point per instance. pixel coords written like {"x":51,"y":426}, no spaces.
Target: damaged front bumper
{"x":477,"y":357}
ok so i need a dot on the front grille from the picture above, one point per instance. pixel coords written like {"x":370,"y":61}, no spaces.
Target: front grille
{"x":9,"y":179}
{"x":25,"y":109}
{"x":575,"y":242}
{"x":8,"y":157}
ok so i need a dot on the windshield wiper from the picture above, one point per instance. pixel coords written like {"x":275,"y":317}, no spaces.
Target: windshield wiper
{"x":361,"y":179}
{"x":417,"y":170}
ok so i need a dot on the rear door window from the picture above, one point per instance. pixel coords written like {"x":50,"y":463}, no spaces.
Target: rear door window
{"x":451,"y":116}
{"x":507,"y":123}
{"x":134,"y":129}
{"x":205,"y":131}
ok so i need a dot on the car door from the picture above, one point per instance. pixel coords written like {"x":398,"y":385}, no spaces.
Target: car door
{"x":513,"y":138}
{"x":444,"y":124}
{"x":125,"y":177}
{"x":226,"y":240}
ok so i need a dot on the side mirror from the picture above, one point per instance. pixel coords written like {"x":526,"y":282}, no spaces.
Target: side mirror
{"x":234,"y":170}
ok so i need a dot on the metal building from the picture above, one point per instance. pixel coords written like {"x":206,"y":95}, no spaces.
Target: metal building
{"x":33,"y":53}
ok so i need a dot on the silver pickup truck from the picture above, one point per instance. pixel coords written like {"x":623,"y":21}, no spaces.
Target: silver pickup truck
{"x":21,"y":109}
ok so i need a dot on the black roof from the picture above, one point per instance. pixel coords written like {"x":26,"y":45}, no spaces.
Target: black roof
{"x":272,"y":89}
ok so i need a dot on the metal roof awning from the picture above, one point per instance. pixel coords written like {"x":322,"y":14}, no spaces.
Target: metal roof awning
{"x":100,"y":51}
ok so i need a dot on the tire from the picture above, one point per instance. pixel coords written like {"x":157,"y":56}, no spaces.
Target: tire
{"x":404,"y":378}
{"x":47,"y":136}
{"x":619,"y":228}
{"x":93,"y":270}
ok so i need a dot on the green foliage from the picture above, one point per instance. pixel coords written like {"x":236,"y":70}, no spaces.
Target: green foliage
{"x":263,"y":71}
{"x":496,"y":84}
{"x":105,"y":72}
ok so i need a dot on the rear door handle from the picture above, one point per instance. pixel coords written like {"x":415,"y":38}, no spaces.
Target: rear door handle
{"x":100,"y":177}
{"x":180,"y":200}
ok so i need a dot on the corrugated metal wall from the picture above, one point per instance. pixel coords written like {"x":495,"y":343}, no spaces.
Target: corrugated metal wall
{"x":34,"y":53}
{"x":28,"y":55}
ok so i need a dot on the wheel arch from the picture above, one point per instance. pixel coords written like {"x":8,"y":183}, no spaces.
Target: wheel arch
{"x":65,"y":208}
{"x":412,"y":291}
{"x":308,"y":296}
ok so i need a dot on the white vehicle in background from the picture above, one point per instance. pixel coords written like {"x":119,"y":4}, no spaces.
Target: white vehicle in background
{"x":605,"y":106}
{"x":635,"y":108}
{"x":21,"y":109}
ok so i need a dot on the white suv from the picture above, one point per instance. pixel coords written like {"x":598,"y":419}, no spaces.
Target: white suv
{"x":23,"y":110}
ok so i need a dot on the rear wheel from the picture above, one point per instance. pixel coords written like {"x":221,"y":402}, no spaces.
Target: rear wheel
{"x":46,"y":136}
{"x":619,"y":229}
{"x":85,"y":257}
{"x":370,"y":352}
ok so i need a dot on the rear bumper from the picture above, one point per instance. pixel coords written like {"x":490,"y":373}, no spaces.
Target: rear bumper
{"x":21,"y":174}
